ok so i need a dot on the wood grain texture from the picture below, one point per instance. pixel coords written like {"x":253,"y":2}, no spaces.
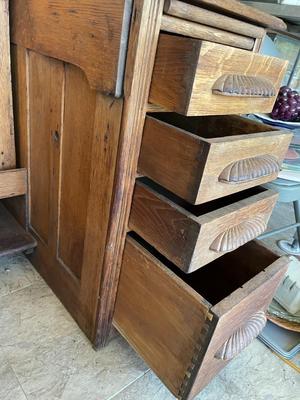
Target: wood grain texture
{"x":186,"y":71}
{"x":242,"y":11}
{"x":19,"y":59}
{"x":235,"y":310}
{"x":57,"y":132}
{"x":107,"y":125}
{"x":195,"y":30}
{"x":242,"y":337}
{"x":46,"y":76}
{"x":76,"y":148}
{"x":244,"y":86}
{"x":84,"y":33}
{"x":202,"y":16}
{"x":13,"y":183}
{"x":249,"y":169}
{"x":239,"y":234}
{"x":141,"y":53}
{"x":167,"y":319}
{"x":189,"y":237}
{"x":187,"y":156}
{"x":13,"y":238}
{"x":7,"y":143}
{"x":20,"y":69}
{"x":152,"y":310}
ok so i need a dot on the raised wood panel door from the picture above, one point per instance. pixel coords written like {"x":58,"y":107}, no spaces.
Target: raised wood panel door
{"x":80,"y":190}
{"x":68,"y":140}
{"x":89,"y":33}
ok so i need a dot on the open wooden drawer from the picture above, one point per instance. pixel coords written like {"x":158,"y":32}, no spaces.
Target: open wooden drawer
{"x":195,"y":77}
{"x":192,"y":236}
{"x":204,"y":158}
{"x":187,"y":327}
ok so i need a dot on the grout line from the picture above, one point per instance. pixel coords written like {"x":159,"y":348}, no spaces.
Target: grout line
{"x":17,"y":378}
{"x":128,"y":385}
{"x":20,"y":289}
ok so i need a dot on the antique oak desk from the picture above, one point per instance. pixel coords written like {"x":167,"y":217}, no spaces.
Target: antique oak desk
{"x":143,"y":179}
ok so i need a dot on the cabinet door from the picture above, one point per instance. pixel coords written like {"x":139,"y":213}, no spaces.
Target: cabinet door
{"x":67,"y":136}
{"x":91,"y":34}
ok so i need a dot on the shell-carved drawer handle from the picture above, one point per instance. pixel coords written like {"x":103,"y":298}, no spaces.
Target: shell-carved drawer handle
{"x":244,"y":86}
{"x":238,"y":235}
{"x":249,"y":169}
{"x":242,"y":337}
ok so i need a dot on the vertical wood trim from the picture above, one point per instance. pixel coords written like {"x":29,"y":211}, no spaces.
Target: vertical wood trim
{"x":7,"y":142}
{"x":59,"y":178}
{"x":18,"y":205}
{"x":108,"y":114}
{"x":28,"y":132}
{"x":123,"y":47}
{"x":258,"y":43}
{"x":146,"y":20}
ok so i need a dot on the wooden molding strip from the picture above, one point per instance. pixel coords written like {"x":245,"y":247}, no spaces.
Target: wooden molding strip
{"x":242,"y":11}
{"x":13,"y":183}
{"x":203,"y":32}
{"x":210,"y":18}
{"x":146,"y":20}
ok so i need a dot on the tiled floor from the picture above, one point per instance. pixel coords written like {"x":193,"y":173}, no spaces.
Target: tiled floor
{"x":44,"y":355}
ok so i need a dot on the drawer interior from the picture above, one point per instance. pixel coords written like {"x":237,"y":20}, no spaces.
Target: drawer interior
{"x":210,"y":127}
{"x":223,"y":276}
{"x":204,"y":208}
{"x":178,"y":322}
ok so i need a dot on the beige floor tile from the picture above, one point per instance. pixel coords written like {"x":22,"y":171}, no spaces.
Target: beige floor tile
{"x":43,"y":350}
{"x":46,"y":350}
{"x":33,"y":315}
{"x":16,"y":273}
{"x":67,"y":368}
{"x":10,"y":388}
{"x":101,"y":374}
{"x":43,"y":369}
{"x":256,"y":374}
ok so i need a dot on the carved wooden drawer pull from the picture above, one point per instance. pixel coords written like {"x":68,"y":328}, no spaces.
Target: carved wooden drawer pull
{"x":244,"y":86}
{"x":238,"y":235}
{"x":249,"y":169}
{"x":242,"y":337}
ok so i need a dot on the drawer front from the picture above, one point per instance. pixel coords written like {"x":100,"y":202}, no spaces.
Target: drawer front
{"x":199,"y":170}
{"x":240,"y":317}
{"x":192,"y":241}
{"x":175,"y":329}
{"x":194,"y":77}
{"x":159,"y":315}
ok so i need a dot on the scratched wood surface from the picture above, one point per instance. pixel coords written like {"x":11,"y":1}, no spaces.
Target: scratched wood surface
{"x":188,"y":155}
{"x":69,"y":147}
{"x":13,"y":183}
{"x":178,"y":322}
{"x":243,"y":12}
{"x":191,"y":237}
{"x":186,"y":70}
{"x":200,"y":15}
{"x":84,"y":33}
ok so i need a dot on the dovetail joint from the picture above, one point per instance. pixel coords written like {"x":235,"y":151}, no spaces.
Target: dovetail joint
{"x":195,"y":361}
